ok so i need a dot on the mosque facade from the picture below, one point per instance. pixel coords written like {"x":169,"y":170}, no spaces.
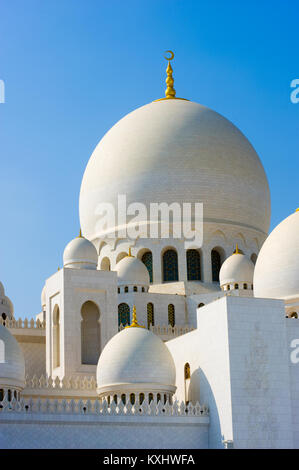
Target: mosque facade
{"x":151,"y":342}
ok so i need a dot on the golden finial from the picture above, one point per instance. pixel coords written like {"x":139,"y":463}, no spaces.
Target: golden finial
{"x":170,"y":91}
{"x":130,"y":253}
{"x":58,"y":268}
{"x":236,"y":252}
{"x":297,"y":210}
{"x":134,"y":323}
{"x":80,"y":234}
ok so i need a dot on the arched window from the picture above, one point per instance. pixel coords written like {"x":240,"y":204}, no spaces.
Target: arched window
{"x":187,"y":375}
{"x":150,"y":315}
{"x":150,"y":397}
{"x":147,"y":259}
{"x":105,"y":264}
{"x":126,"y":289}
{"x":56,"y":337}
{"x":236,"y":286}
{"x":216,"y":265}
{"x":171,"y":315}
{"x":132,"y":398}
{"x":170,"y":266}
{"x":245,"y":286}
{"x":90,"y":333}
{"x":200,"y":305}
{"x":135,"y":288}
{"x":187,"y":371}
{"x":193,"y":265}
{"x":141,"y":398}
{"x":123,"y":314}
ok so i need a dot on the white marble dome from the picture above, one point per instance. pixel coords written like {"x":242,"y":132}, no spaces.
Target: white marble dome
{"x":237,"y":268}
{"x":132,"y":271}
{"x":177,"y":150}
{"x":12,"y":364}
{"x":80,"y":253}
{"x":276,"y":273}
{"x":135,"y":360}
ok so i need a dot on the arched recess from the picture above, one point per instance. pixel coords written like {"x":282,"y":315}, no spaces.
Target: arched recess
{"x":123,"y":314}
{"x":193,"y":260}
{"x":253,"y":258}
{"x":200,"y":305}
{"x":105,"y":264}
{"x":170,"y":265}
{"x":171,"y":315}
{"x":56,"y":337}
{"x":150,"y":315}
{"x":90,"y":333}
{"x":121,"y":255}
{"x":187,"y":376}
{"x":147,"y":259}
{"x":217,"y":256}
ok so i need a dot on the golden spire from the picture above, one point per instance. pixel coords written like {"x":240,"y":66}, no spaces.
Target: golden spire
{"x":134,"y":323}
{"x":297,"y":210}
{"x":130,"y":253}
{"x":170,"y":91}
{"x":236,"y":252}
{"x":80,"y":234}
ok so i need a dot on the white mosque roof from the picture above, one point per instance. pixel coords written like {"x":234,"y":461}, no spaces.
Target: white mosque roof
{"x":135,"y":359}
{"x":235,"y":269}
{"x":276,"y":273}
{"x":177,"y":151}
{"x":80,"y":253}
{"x":132,"y":271}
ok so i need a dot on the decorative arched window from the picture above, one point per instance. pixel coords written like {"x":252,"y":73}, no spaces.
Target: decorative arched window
{"x":170,"y":266}
{"x":187,"y":375}
{"x":135,"y":288}
{"x":56,"y":337}
{"x":193,"y":265}
{"x":150,"y":397}
{"x":171,"y":315}
{"x":236,"y":286}
{"x":216,"y":265}
{"x":126,"y":289}
{"x":187,"y":371}
{"x":123,"y":314}
{"x":132,"y":398}
{"x":141,"y":398}
{"x":90,"y":333}
{"x":150,"y":315}
{"x":105,"y":264}
{"x":147,"y":259}
{"x":245,"y":286}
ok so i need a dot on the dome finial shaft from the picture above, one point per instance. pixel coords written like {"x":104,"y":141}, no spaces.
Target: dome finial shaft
{"x":170,"y":91}
{"x":134,"y":323}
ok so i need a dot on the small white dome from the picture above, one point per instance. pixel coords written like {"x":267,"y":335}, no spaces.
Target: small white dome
{"x":276,"y":273}
{"x":6,"y":305}
{"x":12,"y":364}
{"x":80,"y":253}
{"x":132,"y":271}
{"x":236,"y":269}
{"x":135,"y":359}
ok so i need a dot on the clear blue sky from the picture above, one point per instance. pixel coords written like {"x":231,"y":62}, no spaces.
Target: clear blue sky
{"x":72,"y":68}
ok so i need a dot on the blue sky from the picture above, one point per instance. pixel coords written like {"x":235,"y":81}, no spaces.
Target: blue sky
{"x":72,"y":68}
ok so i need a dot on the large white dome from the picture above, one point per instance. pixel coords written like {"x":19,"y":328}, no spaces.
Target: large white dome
{"x":177,"y":150}
{"x":12,"y":364}
{"x":276,"y":273}
{"x":135,"y":359}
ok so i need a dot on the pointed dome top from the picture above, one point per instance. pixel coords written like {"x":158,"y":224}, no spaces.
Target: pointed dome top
{"x":80,"y":253}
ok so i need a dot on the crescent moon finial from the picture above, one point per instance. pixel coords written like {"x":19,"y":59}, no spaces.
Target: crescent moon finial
{"x":171,"y":55}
